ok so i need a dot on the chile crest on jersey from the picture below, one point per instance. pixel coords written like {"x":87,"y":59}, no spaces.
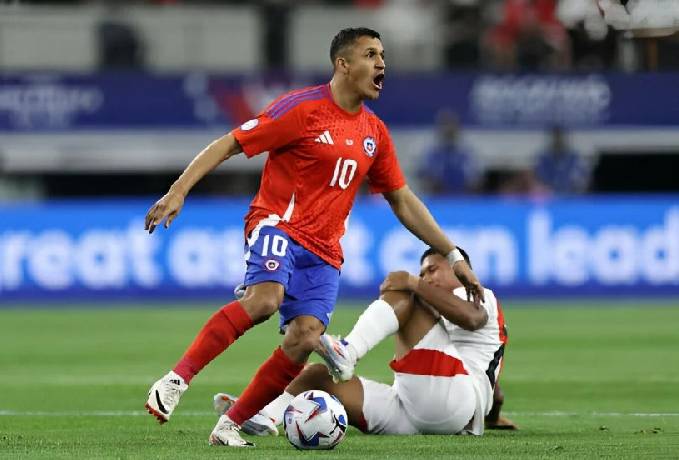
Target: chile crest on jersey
{"x":369,"y":146}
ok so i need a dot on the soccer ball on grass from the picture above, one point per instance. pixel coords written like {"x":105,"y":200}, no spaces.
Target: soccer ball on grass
{"x":315,"y":420}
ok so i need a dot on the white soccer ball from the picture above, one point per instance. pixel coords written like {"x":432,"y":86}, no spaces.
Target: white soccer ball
{"x":315,"y":420}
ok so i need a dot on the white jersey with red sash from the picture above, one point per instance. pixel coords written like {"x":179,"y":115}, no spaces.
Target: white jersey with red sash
{"x":444,"y":385}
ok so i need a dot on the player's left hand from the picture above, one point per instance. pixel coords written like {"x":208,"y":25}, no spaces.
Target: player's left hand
{"x":469,"y":281}
{"x":399,"y":281}
{"x":501,"y":423}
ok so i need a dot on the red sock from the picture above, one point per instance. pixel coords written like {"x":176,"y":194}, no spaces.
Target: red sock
{"x":220,"y":331}
{"x":270,"y":380}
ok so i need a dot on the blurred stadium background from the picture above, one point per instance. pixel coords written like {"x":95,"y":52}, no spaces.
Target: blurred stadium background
{"x":543,"y":134}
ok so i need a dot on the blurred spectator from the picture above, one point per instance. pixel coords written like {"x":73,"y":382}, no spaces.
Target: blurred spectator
{"x":523,"y":183}
{"x":561,"y":169}
{"x":449,"y":166}
{"x":275,"y":16}
{"x":594,"y":45}
{"x":120,"y":47}
{"x":528,"y":36}
{"x":461,"y":36}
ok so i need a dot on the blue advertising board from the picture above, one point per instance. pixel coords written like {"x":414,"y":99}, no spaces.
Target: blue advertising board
{"x":54,"y":102}
{"x":98,"y":249}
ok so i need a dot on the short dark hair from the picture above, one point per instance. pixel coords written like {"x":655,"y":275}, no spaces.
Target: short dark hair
{"x":430,"y":251}
{"x":347,"y":37}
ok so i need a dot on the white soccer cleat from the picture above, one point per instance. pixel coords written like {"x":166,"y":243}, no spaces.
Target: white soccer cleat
{"x":334,"y":352}
{"x":222,"y":402}
{"x":258,"y":425}
{"x":164,"y":396}
{"x":227,"y":433}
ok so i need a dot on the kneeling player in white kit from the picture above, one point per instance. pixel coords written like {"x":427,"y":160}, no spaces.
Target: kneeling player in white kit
{"x":448,"y":357}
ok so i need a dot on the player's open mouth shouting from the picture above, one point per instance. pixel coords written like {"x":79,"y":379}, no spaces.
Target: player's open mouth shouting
{"x":378,"y":81}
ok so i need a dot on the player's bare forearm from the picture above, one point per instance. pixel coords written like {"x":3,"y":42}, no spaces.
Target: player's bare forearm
{"x":208,"y":159}
{"x":170,"y":205}
{"x":415,"y":216}
{"x":467,"y":315}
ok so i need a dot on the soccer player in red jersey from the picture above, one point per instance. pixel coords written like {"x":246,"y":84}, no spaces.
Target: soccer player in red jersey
{"x":322,"y":142}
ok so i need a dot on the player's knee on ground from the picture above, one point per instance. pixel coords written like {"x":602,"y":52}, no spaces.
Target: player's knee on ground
{"x":262,"y":300}
{"x":301,"y":337}
{"x":401,"y":302}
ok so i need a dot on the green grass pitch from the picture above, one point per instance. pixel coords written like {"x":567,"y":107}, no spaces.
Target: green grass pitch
{"x":583,"y":381}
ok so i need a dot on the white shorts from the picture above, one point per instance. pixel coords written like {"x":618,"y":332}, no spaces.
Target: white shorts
{"x":421,"y":404}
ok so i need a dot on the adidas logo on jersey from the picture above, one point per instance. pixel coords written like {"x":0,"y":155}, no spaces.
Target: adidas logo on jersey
{"x":325,"y":138}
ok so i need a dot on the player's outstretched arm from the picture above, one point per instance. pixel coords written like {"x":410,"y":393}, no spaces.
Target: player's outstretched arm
{"x":169,"y":206}
{"x":467,"y":315}
{"x":415,"y":216}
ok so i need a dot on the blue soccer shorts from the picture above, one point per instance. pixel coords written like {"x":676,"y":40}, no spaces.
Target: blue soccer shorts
{"x":310,"y":283}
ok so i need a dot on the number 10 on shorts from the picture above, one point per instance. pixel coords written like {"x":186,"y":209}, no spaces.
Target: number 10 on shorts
{"x":277,"y":245}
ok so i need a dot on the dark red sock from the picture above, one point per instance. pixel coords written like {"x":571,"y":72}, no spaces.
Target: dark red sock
{"x":270,"y":380}
{"x":220,"y":331}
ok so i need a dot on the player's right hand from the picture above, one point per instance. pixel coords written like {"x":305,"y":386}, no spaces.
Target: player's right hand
{"x":167,"y":208}
{"x":471,"y":283}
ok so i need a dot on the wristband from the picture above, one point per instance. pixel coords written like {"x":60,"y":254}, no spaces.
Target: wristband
{"x":454,"y":256}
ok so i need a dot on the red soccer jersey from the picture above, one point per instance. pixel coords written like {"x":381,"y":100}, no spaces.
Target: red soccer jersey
{"x":318,"y":157}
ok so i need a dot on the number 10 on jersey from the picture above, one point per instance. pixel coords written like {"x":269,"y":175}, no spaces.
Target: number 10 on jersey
{"x":344,"y":172}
